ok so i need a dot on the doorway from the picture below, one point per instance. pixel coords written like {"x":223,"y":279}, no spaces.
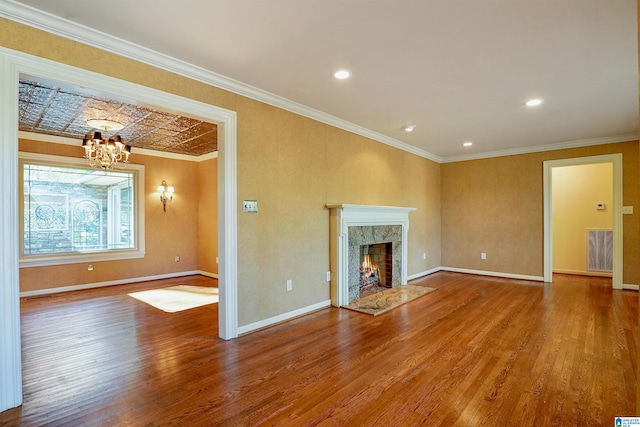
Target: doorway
{"x":616,"y":161}
{"x":12,"y":65}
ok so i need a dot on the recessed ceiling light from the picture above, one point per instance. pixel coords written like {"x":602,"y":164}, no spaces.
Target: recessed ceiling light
{"x":409,"y":128}
{"x":342,"y":74}
{"x":468,"y":144}
{"x":533,"y":102}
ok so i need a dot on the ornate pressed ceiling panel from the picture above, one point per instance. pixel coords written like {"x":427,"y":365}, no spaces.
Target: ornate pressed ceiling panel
{"x":51,"y":109}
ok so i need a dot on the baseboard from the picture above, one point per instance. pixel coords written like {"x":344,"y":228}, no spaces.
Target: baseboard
{"x":282,"y":317}
{"x":631,"y":287}
{"x":108,"y":283}
{"x":493,"y":273}
{"x":206,"y":273}
{"x":584,"y":273}
{"x":424,"y":273}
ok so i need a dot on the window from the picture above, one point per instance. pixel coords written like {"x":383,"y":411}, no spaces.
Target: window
{"x":73,"y":213}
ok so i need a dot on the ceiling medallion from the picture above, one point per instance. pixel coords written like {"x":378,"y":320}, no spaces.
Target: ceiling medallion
{"x":105,"y":152}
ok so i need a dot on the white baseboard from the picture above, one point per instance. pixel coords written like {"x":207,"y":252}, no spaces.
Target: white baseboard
{"x":584,"y":273}
{"x":631,"y":287}
{"x":108,"y":283}
{"x":282,"y":317}
{"x":493,"y":273}
{"x":206,"y":273}
{"x":424,"y":273}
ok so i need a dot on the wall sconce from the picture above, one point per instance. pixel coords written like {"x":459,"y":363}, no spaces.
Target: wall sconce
{"x":166,"y":194}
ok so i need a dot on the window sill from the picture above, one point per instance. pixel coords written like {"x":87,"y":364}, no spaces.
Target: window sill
{"x":78,"y":258}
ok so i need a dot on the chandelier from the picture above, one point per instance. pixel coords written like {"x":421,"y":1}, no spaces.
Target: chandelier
{"x":105,"y":152}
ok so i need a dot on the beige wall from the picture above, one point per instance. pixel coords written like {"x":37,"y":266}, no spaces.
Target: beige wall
{"x":496,"y":206}
{"x":293,"y":166}
{"x":170,"y":233}
{"x":576,"y":192}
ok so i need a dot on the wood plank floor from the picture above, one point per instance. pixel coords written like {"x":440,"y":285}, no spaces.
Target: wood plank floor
{"x":477,"y":351}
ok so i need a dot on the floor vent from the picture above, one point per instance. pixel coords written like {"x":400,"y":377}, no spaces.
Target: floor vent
{"x":600,"y":250}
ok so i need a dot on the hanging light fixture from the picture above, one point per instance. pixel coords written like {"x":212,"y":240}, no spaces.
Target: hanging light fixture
{"x":102,"y":151}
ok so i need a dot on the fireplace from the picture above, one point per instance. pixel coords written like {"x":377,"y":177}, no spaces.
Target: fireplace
{"x":374,"y":239}
{"x":376,"y":266}
{"x":358,"y":231}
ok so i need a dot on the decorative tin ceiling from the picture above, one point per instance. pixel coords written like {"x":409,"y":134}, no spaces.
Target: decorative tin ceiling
{"x":52,"y":109}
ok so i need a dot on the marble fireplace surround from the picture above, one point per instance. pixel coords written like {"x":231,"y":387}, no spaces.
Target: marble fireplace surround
{"x":360,"y":218}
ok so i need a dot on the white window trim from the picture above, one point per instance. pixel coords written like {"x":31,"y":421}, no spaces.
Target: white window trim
{"x":76,"y":258}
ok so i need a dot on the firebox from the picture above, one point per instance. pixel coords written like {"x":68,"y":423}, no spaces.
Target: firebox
{"x":376,"y":266}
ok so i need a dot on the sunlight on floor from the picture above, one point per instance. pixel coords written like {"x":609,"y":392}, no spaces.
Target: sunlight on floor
{"x":178,"y":298}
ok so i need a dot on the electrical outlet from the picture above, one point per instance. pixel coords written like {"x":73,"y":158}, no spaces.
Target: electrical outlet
{"x":328,"y":276}
{"x":289,"y":285}
{"x":90,"y":267}
{"x":483,"y":255}
{"x":216,"y":260}
{"x":177,"y":258}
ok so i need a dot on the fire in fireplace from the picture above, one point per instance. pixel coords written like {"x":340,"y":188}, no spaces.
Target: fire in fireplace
{"x":376,"y":267}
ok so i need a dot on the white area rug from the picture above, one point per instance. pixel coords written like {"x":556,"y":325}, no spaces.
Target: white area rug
{"x":178,"y":298}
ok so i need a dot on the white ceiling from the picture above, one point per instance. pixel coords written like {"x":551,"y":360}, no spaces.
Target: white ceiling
{"x":460,"y":70}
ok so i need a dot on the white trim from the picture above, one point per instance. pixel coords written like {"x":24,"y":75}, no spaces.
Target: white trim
{"x":583,"y":273}
{"x":424,"y":273}
{"x":228,"y":228}
{"x":44,"y":21}
{"x":616,"y":160}
{"x":10,"y":345}
{"x":143,"y":151}
{"x":283,"y":317}
{"x":61,"y":289}
{"x":27,"y":261}
{"x":631,"y":287}
{"x":547,"y":147}
{"x":208,"y":274}
{"x":493,"y":273}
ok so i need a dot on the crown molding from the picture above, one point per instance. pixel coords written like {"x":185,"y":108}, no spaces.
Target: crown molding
{"x":44,"y":21}
{"x":546,"y":147}
{"x":142,"y":151}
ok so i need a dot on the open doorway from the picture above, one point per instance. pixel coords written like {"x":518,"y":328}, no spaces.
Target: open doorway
{"x":13,"y":65}
{"x":615,"y":160}
{"x":582,"y":218}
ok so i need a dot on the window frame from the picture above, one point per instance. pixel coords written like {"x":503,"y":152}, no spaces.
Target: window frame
{"x":40,"y":260}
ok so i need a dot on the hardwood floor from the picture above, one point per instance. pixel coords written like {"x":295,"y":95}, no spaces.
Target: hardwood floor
{"x":477,"y":351}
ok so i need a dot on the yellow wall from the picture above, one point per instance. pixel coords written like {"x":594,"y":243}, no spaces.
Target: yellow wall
{"x":170,"y":233}
{"x":208,"y":216}
{"x":496,"y":206}
{"x":576,"y":192}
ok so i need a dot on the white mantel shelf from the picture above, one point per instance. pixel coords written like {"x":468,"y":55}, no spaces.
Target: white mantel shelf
{"x":344,"y":216}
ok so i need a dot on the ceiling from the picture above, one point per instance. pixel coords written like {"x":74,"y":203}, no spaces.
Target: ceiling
{"x":460,"y":70}
{"x":63,"y":110}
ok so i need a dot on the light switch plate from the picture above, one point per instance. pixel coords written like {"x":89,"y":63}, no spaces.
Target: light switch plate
{"x":627,"y":210}
{"x":249,"y":206}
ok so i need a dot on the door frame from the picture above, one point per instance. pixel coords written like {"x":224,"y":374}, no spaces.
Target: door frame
{"x":616,"y":160}
{"x":12,"y":65}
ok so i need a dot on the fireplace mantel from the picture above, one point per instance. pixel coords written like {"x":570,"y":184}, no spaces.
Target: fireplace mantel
{"x":343,"y":216}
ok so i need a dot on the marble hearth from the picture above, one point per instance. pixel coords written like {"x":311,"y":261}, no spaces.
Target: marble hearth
{"x":352,"y":226}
